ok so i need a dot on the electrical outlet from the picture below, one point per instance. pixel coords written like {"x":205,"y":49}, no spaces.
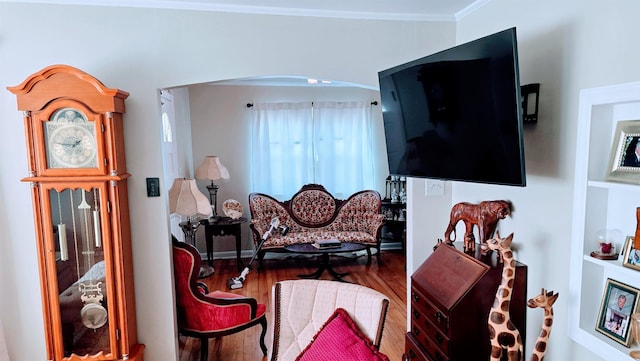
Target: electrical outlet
{"x":433,"y":187}
{"x":153,"y":187}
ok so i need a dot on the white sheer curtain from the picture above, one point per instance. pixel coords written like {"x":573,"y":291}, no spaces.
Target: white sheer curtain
{"x":282,"y":138}
{"x":343,"y":146}
{"x":328,"y":143}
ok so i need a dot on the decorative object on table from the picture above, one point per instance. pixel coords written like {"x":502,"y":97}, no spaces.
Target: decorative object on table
{"x":630,"y":254}
{"x":232,"y":208}
{"x":186,"y":200}
{"x":607,"y":245}
{"x":624,"y":163}
{"x":544,"y":300}
{"x":238,"y":282}
{"x":327,"y":243}
{"x":619,"y":301}
{"x":212,"y":169}
{"x":484,"y":215}
{"x":396,"y":189}
{"x":504,"y":336}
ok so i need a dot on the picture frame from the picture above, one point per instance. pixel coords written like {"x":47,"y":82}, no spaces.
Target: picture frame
{"x":630,"y":255}
{"x":619,"y":302}
{"x":624,"y":164}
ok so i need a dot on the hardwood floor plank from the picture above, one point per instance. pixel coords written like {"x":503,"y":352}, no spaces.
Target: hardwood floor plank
{"x":387,"y":278}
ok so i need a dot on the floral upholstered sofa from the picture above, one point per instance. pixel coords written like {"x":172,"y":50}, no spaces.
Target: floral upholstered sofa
{"x":313,"y":213}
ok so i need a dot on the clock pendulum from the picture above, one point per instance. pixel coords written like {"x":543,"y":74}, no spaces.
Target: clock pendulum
{"x":96,"y":219}
{"x":93,"y":314}
{"x":75,"y":234}
{"x":62,"y":233}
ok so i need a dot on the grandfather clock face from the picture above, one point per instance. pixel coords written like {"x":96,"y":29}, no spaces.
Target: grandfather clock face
{"x":70,"y":140}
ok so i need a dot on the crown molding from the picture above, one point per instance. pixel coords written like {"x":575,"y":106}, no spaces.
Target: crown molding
{"x":264,"y":10}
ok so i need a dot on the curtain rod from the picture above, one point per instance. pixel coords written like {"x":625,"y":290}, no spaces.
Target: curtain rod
{"x":249,"y":105}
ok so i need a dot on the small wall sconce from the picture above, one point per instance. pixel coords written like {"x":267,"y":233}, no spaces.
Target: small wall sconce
{"x":530,"y":94}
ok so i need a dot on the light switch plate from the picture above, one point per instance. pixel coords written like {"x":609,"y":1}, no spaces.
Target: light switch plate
{"x":153,"y":187}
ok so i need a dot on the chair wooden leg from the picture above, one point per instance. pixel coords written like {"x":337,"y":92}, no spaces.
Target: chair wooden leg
{"x":263,"y":323}
{"x":368,"y":255}
{"x":204,"y":349}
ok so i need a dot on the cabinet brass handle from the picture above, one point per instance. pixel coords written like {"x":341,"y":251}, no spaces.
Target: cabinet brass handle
{"x":439,"y":338}
{"x":438,"y":316}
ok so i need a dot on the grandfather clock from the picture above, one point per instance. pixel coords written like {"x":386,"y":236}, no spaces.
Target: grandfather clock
{"x":78,"y":176}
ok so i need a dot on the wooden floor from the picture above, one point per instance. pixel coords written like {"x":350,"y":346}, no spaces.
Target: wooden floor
{"x":388,"y":278}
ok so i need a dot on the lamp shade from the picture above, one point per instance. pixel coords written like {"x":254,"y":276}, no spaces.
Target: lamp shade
{"x":212,"y":168}
{"x":186,"y":200}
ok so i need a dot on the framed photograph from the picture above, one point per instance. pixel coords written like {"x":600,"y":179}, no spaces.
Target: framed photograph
{"x":624,"y":164}
{"x":630,"y":255}
{"x":618,"y":303}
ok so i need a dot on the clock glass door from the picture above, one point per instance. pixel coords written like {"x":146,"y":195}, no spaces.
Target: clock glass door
{"x":82,"y":290}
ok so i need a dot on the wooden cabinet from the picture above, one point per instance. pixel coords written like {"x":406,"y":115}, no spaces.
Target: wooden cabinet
{"x":78,"y":176}
{"x":451,"y":294}
{"x":394,"y":208}
{"x":395,"y":223}
{"x":599,"y":205}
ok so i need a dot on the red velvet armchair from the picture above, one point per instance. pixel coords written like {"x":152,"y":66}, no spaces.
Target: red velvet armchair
{"x":204,"y":314}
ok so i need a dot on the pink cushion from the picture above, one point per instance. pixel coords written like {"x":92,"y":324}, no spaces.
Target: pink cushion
{"x":340,"y":339}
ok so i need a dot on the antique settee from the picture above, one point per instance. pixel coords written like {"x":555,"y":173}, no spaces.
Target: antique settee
{"x":313,"y":214}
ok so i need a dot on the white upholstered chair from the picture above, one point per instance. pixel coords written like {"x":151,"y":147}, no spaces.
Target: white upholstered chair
{"x":301,"y":307}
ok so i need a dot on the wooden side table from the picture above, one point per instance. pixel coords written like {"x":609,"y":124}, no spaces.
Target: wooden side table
{"x":223,"y":227}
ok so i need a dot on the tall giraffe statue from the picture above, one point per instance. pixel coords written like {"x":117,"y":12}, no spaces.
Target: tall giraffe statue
{"x":544,"y":300}
{"x":504,"y":336}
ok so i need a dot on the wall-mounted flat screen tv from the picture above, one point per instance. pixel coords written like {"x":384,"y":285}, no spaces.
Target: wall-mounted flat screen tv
{"x":457,"y":114}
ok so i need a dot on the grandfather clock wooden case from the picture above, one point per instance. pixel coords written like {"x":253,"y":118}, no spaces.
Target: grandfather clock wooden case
{"x":78,"y":176}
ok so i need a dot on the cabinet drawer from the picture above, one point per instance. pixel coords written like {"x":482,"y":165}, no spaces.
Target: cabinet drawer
{"x":428,"y":335}
{"x":413,"y":352}
{"x":438,"y":317}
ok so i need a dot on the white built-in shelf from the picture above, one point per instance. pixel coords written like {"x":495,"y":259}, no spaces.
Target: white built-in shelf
{"x":600,"y":205}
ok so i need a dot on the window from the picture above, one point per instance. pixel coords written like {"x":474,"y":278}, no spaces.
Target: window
{"x":328,"y":143}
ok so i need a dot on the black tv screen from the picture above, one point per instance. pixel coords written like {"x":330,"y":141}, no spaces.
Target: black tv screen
{"x":457,"y":114}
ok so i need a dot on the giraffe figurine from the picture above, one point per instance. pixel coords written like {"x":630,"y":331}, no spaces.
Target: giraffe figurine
{"x":544,"y":300}
{"x":504,"y":336}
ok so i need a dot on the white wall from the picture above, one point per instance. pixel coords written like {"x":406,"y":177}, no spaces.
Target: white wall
{"x":142,"y":51}
{"x":565,"y":46}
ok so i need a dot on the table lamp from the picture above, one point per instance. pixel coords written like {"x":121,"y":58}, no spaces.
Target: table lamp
{"x":186,"y":200}
{"x":212,"y":169}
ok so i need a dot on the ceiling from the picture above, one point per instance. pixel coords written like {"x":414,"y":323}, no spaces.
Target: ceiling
{"x":404,"y":10}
